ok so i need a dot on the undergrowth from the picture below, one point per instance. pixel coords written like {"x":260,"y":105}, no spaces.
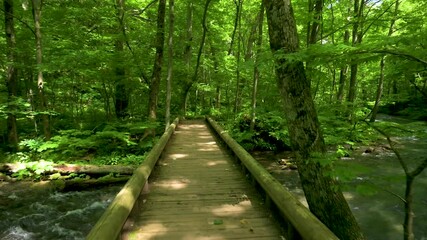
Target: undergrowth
{"x":106,"y":144}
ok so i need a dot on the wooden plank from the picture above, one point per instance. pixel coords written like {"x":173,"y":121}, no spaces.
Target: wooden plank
{"x":198,"y":192}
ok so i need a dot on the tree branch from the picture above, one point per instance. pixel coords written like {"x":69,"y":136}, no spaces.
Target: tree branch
{"x":141,"y":11}
{"x":419,"y":169}
{"x":395,"y":53}
{"x":391,"y":143}
{"x":21,"y":21}
{"x":388,"y":191}
{"x":122,"y":26}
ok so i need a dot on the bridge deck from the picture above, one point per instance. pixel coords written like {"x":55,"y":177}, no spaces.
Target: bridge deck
{"x":197,"y":193}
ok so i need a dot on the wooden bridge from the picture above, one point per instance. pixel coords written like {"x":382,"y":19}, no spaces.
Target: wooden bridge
{"x":191,"y":188}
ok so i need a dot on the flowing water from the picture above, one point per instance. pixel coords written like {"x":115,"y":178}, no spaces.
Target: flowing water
{"x":41,"y":214}
{"x":371,"y":191}
{"x":27,"y":214}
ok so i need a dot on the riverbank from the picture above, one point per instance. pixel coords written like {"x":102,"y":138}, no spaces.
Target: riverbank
{"x":372,"y":179}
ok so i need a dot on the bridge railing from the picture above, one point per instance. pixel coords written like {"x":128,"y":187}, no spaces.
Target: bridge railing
{"x":111,"y":222}
{"x":300,"y":223}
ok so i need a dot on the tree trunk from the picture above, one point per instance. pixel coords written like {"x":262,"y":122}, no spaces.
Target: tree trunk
{"x":238,"y":4}
{"x":256,"y":70}
{"x":158,"y":61}
{"x":321,"y":190}
{"x":239,"y":47}
{"x":357,"y":35}
{"x":343,"y":72}
{"x":121,"y":93}
{"x":170,"y":64}
{"x":218,"y":84}
{"x":188,"y":55}
{"x":379,"y":92}
{"x":92,"y":170}
{"x":316,"y":10}
{"x":248,"y":55}
{"x":37,"y":8}
{"x":83,"y":184}
{"x":199,"y":54}
{"x":314,"y":24}
{"x":11,"y":75}
{"x":408,"y":229}
{"x":382,"y":66}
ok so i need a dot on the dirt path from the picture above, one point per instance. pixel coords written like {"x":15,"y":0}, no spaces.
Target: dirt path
{"x":198,"y":193}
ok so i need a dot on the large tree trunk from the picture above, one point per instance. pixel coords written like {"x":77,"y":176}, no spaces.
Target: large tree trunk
{"x":37,"y":9}
{"x":157,"y":69}
{"x":170,"y":65}
{"x":11,"y":75}
{"x":121,"y":92}
{"x":321,"y":190}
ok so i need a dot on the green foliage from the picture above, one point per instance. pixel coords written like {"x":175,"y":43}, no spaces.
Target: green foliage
{"x":339,"y":131}
{"x":109,"y":144}
{"x":34,"y":170}
{"x":270,"y":132}
{"x":115,"y":159}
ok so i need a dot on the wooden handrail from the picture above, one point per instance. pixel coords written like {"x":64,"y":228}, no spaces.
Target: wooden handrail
{"x":111,"y":222}
{"x":295,"y":213}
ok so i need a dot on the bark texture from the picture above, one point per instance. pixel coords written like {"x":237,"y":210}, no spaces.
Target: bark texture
{"x":321,"y":190}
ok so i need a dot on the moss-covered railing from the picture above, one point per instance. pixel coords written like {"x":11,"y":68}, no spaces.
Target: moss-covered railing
{"x":111,"y":222}
{"x":300,"y":223}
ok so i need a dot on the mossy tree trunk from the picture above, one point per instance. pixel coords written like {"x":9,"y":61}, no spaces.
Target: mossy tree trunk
{"x":322,"y":192}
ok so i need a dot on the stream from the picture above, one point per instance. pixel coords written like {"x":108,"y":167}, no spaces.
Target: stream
{"x":370,"y":191}
{"x":31,"y":211}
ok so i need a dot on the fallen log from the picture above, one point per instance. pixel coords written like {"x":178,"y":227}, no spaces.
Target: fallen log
{"x":91,"y":170}
{"x":78,"y":184}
